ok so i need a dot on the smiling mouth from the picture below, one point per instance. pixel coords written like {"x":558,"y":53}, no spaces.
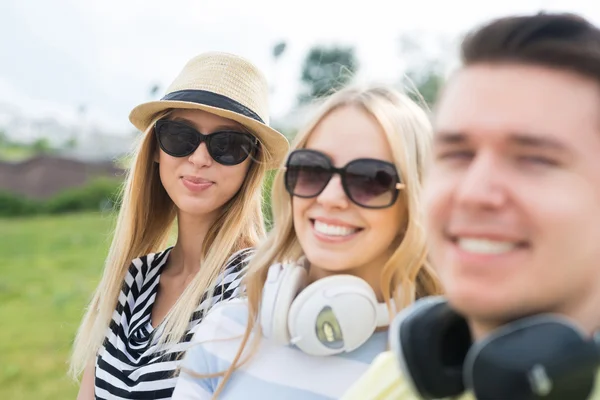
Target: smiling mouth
{"x":334,"y":230}
{"x":487,"y":246}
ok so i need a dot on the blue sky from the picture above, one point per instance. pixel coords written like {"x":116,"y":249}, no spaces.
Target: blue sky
{"x":106,"y":54}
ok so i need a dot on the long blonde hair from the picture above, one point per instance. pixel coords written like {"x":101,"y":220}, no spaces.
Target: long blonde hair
{"x":143,"y":226}
{"x":409,"y":134}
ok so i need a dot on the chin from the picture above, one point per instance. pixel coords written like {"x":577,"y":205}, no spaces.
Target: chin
{"x":331,"y":262}
{"x":195,"y":207}
{"x":475,"y":300}
{"x":491,"y":308}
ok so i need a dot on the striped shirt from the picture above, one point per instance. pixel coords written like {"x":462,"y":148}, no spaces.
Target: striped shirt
{"x":274,"y":371}
{"x":130,"y":364}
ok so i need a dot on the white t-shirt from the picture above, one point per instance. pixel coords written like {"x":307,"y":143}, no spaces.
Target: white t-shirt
{"x":274,"y":371}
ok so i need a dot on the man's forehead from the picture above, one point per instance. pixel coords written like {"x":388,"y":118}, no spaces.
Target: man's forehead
{"x":518,"y":99}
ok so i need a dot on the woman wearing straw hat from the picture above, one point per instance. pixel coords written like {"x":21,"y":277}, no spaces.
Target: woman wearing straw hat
{"x":201,"y":161}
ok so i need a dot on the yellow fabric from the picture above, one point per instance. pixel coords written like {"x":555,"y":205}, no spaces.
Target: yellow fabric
{"x":383,"y":381}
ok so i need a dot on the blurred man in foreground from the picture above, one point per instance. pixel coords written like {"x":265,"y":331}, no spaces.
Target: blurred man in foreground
{"x":513,"y":201}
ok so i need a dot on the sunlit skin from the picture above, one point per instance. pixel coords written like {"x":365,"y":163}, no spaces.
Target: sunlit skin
{"x":197,"y":184}
{"x":346,"y":134}
{"x":513,"y":195}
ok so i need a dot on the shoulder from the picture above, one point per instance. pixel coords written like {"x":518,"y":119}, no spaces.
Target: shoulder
{"x":239,"y":260}
{"x":382,"y":381}
{"x":144,"y":269}
{"x":224,"y":320}
{"x":149,"y":262}
{"x":236,"y":264}
{"x":212,"y":349}
{"x":228,"y":283}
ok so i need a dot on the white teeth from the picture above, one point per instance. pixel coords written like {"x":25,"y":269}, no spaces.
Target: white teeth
{"x":333,"y":230}
{"x":482,"y":246}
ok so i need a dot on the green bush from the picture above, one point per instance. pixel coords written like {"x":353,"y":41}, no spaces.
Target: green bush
{"x":15,"y":205}
{"x":98,"y":194}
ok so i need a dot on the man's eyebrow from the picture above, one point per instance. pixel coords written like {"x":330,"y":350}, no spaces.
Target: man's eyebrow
{"x":537,"y":141}
{"x":519,"y":139}
{"x":450,"y":137}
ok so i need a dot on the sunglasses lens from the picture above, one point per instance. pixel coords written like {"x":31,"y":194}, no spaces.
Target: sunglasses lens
{"x":180,"y":140}
{"x":371,"y":183}
{"x":230,"y":148}
{"x":177,"y":140}
{"x":307,"y":174}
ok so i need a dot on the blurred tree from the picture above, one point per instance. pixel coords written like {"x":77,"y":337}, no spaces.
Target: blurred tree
{"x":426,"y":82}
{"x":154,"y":90}
{"x":326,"y":69}
{"x":70,"y":143}
{"x":426,"y":59}
{"x":3,"y":138}
{"x":41,"y":146}
{"x":279,"y":49}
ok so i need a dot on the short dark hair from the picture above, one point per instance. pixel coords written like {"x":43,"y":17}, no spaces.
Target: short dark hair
{"x":557,"y":40}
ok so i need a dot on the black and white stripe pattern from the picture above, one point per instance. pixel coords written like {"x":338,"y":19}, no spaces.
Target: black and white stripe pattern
{"x":130,"y":364}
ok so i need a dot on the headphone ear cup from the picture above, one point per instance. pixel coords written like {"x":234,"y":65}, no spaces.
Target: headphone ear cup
{"x":536,"y":357}
{"x":281,"y":287}
{"x":431,"y":342}
{"x":333,"y":315}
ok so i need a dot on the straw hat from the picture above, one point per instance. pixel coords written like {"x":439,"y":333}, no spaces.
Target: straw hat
{"x":225,"y":85}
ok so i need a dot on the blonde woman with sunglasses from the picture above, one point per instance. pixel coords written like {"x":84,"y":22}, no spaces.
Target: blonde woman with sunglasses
{"x":347,"y":251}
{"x":200,"y":163}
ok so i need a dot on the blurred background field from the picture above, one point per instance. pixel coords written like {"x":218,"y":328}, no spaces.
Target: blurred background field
{"x":50,"y":266}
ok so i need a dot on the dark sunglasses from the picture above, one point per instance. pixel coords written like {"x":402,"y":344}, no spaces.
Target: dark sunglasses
{"x":178,"y":139}
{"x":367,"y":182}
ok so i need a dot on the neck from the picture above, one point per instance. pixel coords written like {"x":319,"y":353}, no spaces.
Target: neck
{"x":370,"y":273}
{"x":186,"y":256}
{"x":582,"y":311}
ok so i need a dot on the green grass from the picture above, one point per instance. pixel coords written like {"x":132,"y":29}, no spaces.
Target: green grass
{"x":49,"y":268}
{"x":14,"y":153}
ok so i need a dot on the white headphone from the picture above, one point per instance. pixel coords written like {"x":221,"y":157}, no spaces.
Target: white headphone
{"x":332,"y":315}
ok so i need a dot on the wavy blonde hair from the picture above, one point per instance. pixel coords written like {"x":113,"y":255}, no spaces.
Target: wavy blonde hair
{"x":409,"y":133}
{"x":144,"y":225}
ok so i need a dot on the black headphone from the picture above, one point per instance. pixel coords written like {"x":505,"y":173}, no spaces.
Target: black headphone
{"x":538,"y":357}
